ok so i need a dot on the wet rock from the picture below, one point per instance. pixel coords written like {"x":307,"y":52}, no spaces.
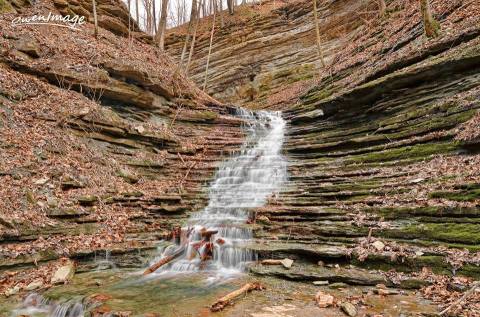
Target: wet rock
{"x":34,"y":285}
{"x":385,"y":291}
{"x":275,"y":311}
{"x":349,"y":309}
{"x":324,"y":300}
{"x":63,"y":273}
{"x":303,"y":272}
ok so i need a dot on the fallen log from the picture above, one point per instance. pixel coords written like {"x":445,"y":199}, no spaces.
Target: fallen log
{"x":164,"y":261}
{"x":228,"y":299}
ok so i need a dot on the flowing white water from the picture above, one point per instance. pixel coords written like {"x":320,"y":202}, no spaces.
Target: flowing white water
{"x":244,"y":181}
{"x":36,"y":304}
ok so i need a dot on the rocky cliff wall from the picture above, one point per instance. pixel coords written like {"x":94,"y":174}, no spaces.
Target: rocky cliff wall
{"x":262,"y":49}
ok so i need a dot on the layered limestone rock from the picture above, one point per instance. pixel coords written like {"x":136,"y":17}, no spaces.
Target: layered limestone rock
{"x":256,"y":54}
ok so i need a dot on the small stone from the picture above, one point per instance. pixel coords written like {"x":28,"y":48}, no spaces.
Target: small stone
{"x":321,"y":263}
{"x":41,"y":181}
{"x":52,"y":202}
{"x":338,"y":285}
{"x":378,"y":245}
{"x":34,"y":285}
{"x":320,"y":283}
{"x":140,"y":129}
{"x":263,"y":220}
{"x":287,"y":263}
{"x":349,"y":309}
{"x":323,"y":300}
{"x":63,"y":274}
{"x":12,"y":291}
{"x":419,"y":253}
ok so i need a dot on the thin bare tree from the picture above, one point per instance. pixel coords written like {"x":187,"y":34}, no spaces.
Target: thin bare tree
{"x":154,"y":13}
{"x":193,"y":14}
{"x":231,"y":5}
{"x":210,"y":46}
{"x":192,"y":45}
{"x":162,"y":25}
{"x":317,"y":30}
{"x":221,"y":13}
{"x":137,"y":12}
{"x":95,"y":19}
{"x":431,"y":26}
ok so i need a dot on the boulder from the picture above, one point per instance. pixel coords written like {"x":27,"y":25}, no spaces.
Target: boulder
{"x":63,"y":273}
{"x":12,"y":291}
{"x":324,"y":300}
{"x":349,"y":309}
{"x":287,"y":263}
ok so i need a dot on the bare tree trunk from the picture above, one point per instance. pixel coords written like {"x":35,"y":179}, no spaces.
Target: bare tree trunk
{"x":95,"y":17}
{"x":382,"y":8}
{"x":430,"y":25}
{"x":129,"y":19}
{"x":317,"y":29}
{"x":162,"y":25}
{"x":137,"y":12}
{"x":230,"y":5}
{"x":154,"y":11}
{"x":193,"y":14}
{"x":221,"y":13}
{"x":209,"y":50}
{"x":192,"y":45}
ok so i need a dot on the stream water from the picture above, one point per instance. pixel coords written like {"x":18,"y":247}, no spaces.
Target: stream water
{"x":246,"y":180}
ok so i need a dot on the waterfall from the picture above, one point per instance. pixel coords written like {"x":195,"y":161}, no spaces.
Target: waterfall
{"x":246,"y":180}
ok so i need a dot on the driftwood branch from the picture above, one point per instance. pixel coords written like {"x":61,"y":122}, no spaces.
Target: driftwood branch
{"x":163,"y":261}
{"x":229,"y":298}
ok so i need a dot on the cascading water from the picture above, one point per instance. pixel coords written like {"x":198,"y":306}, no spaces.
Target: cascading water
{"x":36,"y":304}
{"x":244,"y":181}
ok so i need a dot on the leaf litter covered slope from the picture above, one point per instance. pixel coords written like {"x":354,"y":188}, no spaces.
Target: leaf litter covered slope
{"x":84,"y":173}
